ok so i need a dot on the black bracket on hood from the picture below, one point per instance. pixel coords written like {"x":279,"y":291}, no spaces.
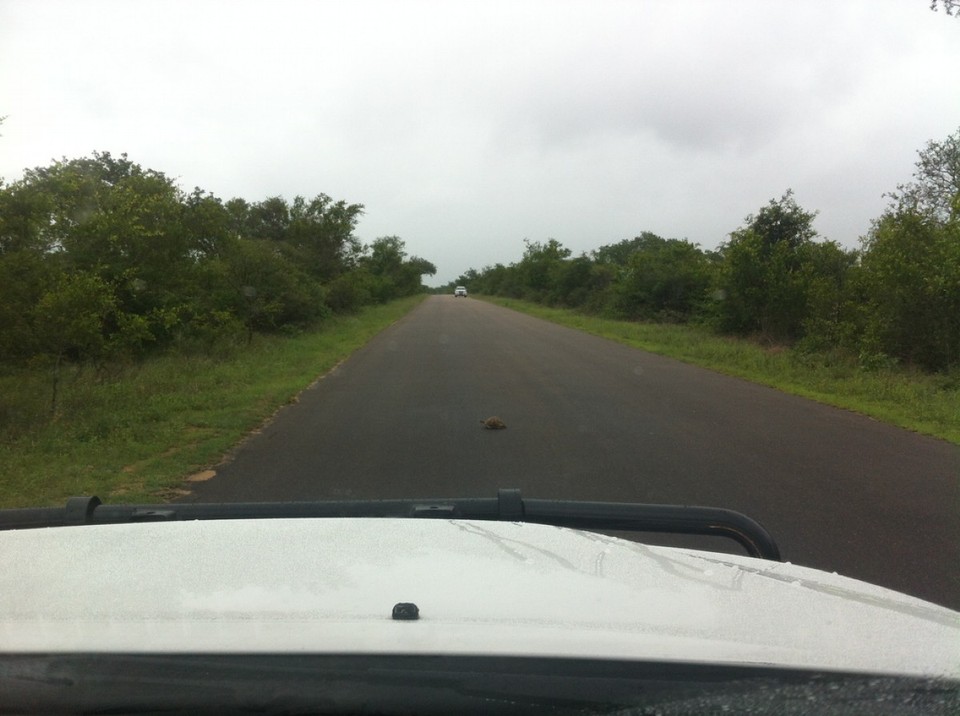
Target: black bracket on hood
{"x":508,"y":506}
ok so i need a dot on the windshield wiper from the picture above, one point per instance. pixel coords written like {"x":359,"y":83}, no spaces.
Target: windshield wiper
{"x":508,"y":506}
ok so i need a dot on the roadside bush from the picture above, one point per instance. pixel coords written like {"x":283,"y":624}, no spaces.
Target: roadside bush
{"x":911,"y":279}
{"x":662,"y":279}
{"x":101,"y":259}
{"x":349,"y":292}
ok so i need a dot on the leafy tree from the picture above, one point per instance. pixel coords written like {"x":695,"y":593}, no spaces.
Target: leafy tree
{"x":571,"y":281}
{"x":321,"y":230}
{"x":350,"y":291}
{"x":833,"y":297}
{"x":385,"y":255}
{"x":108,"y":218}
{"x":911,"y":276}
{"x":69,"y":322}
{"x":263,"y":288}
{"x":421,"y":267}
{"x":603,"y":283}
{"x":496,"y":280}
{"x":238,"y":211}
{"x":69,"y":319}
{"x":657,"y":278}
{"x":392,"y":274}
{"x":762,"y":280}
{"x":466,"y":278}
{"x":268,"y":220}
{"x":539,"y":265}
{"x":619,"y":254}
{"x":106,"y":215}
{"x":24,"y":216}
{"x":951,"y":7}
{"x":25,"y":277}
{"x":142,"y":264}
{"x":910,"y":272}
{"x":936,"y":181}
{"x":649,"y":277}
{"x":207,"y":223}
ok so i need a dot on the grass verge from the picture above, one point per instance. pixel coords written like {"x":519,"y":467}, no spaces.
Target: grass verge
{"x":135,"y":436}
{"x":928,"y":404}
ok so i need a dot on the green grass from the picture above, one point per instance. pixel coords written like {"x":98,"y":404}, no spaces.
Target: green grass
{"x":134,"y":436}
{"x":928,"y":404}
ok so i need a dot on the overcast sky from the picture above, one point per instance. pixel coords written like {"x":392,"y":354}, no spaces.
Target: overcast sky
{"x":465,"y":127}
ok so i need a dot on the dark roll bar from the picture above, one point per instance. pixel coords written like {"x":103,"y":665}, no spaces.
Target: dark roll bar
{"x":508,"y":506}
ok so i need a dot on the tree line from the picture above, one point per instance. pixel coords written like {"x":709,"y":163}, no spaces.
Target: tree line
{"x":895,"y":299}
{"x":101,"y":259}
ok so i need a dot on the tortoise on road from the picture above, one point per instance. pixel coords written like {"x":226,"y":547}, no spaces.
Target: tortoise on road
{"x":493,"y":423}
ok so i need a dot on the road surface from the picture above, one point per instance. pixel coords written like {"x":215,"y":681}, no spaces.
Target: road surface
{"x":591,"y":419}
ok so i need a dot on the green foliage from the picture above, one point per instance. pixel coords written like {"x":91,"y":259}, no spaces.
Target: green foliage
{"x":25,"y":276}
{"x":645,"y":277}
{"x":895,"y":301}
{"x":908,"y":283}
{"x":764,"y":278}
{"x":23,"y":220}
{"x":658,"y":278}
{"x":832,"y":295}
{"x":208,"y":224}
{"x":935,"y":189}
{"x":571,"y":281}
{"x":619,"y":254}
{"x":316,"y":233}
{"x":911,"y":283}
{"x":389,"y":273}
{"x":101,"y":259}
{"x":268,"y":220}
{"x":69,"y":318}
{"x":540,"y":266}
{"x":263,"y":288}
{"x":350,"y":291}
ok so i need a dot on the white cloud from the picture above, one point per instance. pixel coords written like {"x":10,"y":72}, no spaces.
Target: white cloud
{"x":466,"y":126}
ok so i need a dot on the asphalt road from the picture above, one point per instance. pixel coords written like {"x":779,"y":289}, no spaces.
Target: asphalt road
{"x":590,"y":419}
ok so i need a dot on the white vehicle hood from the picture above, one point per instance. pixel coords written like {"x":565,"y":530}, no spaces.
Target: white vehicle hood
{"x":328,"y":586}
